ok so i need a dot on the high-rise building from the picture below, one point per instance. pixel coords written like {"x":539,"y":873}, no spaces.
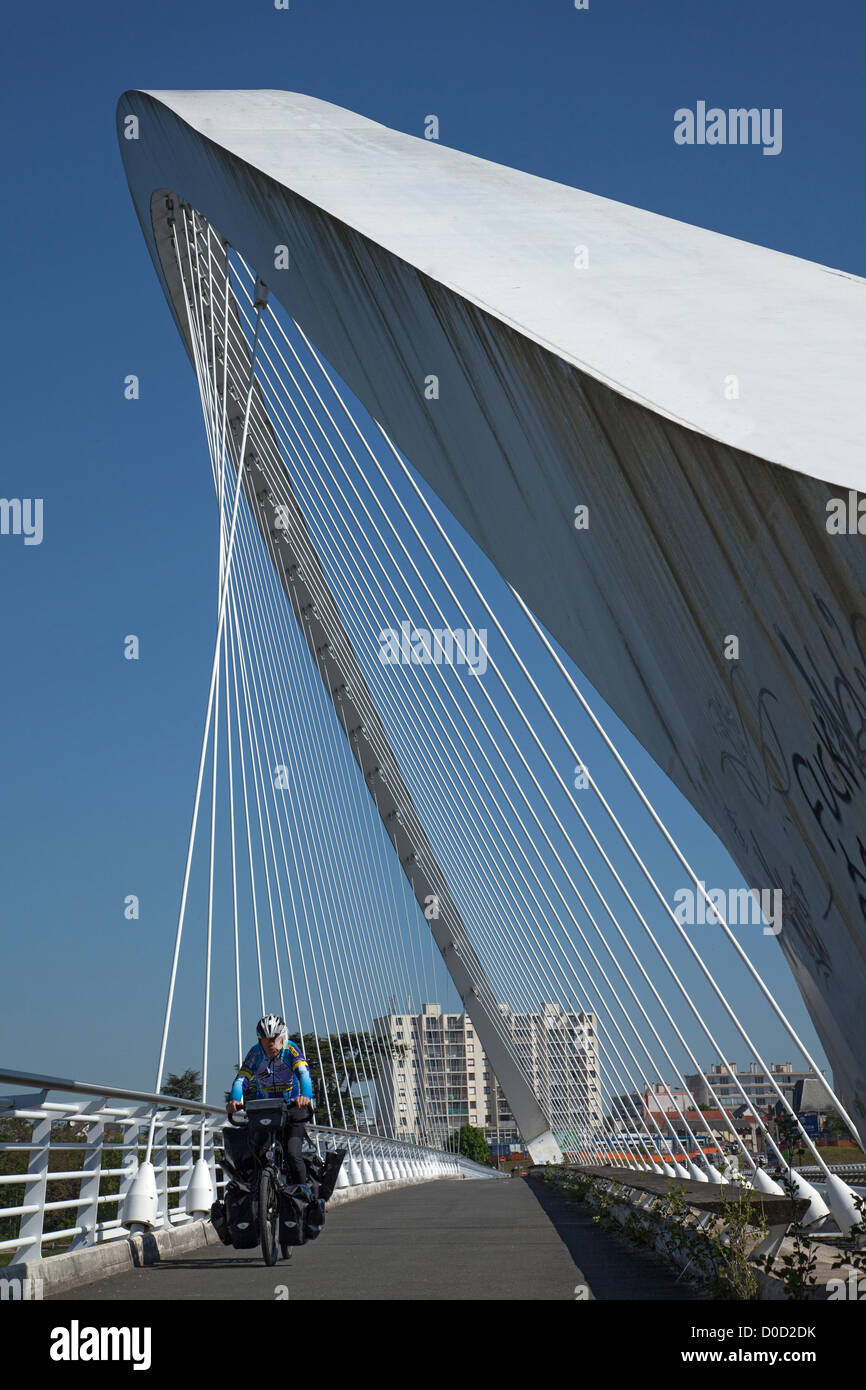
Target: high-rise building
{"x":439,"y":1078}
{"x":433,"y":1083}
{"x":558,"y":1051}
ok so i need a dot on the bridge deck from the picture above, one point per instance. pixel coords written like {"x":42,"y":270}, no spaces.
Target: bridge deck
{"x":514,"y":1239}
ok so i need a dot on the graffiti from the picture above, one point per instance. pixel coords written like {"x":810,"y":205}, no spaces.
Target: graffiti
{"x":824,"y":777}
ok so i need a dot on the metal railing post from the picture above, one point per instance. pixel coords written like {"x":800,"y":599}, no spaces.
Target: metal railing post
{"x":91,"y":1172}
{"x":35,"y":1184}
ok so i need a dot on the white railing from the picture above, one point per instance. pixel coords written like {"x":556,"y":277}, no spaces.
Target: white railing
{"x":187,"y":1143}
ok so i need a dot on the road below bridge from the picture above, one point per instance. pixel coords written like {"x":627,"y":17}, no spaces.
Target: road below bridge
{"x":511,"y":1239}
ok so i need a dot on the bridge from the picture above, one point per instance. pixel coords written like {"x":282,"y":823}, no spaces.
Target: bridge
{"x":485,"y":596}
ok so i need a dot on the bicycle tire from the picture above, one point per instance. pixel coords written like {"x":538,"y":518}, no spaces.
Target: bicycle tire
{"x":269,"y":1217}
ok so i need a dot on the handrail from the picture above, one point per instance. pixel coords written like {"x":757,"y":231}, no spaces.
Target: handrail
{"x":146,"y":1189}
{"x":89,"y":1088}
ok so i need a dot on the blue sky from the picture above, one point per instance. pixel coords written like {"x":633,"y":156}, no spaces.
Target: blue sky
{"x":99,"y":754}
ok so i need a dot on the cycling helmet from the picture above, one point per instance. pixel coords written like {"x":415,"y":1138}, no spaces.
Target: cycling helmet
{"x":271,"y":1026}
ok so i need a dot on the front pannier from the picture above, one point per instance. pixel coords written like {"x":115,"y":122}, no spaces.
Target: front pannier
{"x":242,"y":1217}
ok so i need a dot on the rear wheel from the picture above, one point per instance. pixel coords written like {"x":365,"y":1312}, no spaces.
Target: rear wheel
{"x":269,"y":1217}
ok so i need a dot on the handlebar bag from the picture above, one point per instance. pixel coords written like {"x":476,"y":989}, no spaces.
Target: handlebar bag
{"x":264,"y":1119}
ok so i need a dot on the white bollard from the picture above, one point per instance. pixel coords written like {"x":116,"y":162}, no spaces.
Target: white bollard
{"x":199,"y":1196}
{"x":366,"y":1170}
{"x":353,"y":1172}
{"x":139,"y":1208}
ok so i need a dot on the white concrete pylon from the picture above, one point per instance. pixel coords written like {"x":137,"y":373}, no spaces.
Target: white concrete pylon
{"x":840,"y":1199}
{"x":762,"y":1182}
{"x":199,"y":1196}
{"x":141,"y":1200}
{"x":817,"y":1208}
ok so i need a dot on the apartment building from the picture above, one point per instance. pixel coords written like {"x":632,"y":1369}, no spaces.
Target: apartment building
{"x":756,"y":1083}
{"x":439,"y":1077}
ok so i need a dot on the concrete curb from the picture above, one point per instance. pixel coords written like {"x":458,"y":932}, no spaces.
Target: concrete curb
{"x":59,"y":1273}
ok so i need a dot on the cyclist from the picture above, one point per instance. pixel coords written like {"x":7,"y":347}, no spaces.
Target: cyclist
{"x":276,"y":1066}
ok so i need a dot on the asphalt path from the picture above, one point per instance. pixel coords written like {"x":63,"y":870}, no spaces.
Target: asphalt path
{"x":466,"y":1240}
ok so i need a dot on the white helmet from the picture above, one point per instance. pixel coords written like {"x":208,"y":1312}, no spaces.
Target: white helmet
{"x":271,"y":1026}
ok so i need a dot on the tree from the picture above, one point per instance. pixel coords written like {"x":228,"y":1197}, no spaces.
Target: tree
{"x":186,"y":1087}
{"x":471,"y":1142}
{"x":341,"y":1066}
{"x":834,"y":1126}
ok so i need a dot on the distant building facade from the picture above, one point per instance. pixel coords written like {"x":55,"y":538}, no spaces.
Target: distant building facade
{"x":756,"y":1083}
{"x":438,"y":1076}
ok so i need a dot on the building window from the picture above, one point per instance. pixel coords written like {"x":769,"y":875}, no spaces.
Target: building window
{"x":471,"y":1076}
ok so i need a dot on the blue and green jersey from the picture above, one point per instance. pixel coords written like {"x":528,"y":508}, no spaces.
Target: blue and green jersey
{"x":287,"y":1075}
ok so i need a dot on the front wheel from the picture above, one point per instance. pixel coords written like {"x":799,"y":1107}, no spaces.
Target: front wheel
{"x":269,"y":1217}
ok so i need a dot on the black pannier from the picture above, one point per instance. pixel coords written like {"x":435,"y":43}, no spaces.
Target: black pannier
{"x":332,"y":1165}
{"x":314,"y":1218}
{"x":238,"y":1151}
{"x":315,"y":1170}
{"x":293,"y":1209}
{"x":218,"y":1221}
{"x":241,"y":1217}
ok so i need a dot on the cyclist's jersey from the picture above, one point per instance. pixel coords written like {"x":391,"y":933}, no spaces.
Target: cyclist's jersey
{"x":287,"y":1074}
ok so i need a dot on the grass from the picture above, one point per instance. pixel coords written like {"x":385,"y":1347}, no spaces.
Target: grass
{"x":832,"y":1153}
